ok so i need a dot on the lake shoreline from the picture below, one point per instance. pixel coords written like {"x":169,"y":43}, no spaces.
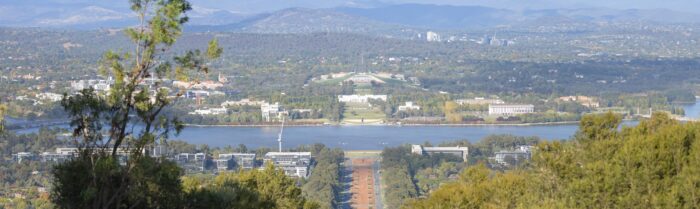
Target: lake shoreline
{"x":394,"y":125}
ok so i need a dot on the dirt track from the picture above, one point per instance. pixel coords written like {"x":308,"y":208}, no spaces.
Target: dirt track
{"x":363,"y":184}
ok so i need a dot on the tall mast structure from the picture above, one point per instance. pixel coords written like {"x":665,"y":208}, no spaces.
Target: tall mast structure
{"x":279,"y":137}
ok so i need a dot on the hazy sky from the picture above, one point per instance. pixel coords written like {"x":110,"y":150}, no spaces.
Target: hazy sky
{"x":255,"y":6}
{"x":258,"y":5}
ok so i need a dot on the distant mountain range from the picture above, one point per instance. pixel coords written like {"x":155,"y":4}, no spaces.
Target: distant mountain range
{"x":385,"y":20}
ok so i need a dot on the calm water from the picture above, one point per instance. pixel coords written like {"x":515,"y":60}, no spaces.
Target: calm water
{"x":361,"y":137}
{"x":369,"y":137}
{"x":374,"y":137}
{"x":692,"y":110}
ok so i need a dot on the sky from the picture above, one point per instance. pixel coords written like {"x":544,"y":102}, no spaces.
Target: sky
{"x":257,"y":6}
{"x":266,"y":5}
{"x":53,"y":12}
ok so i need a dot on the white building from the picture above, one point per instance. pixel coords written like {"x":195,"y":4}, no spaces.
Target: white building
{"x":65,"y":153}
{"x":194,"y":94}
{"x":242,"y":102}
{"x":271,"y":112}
{"x":409,"y":106}
{"x":432,"y":36}
{"x":55,"y":157}
{"x":522,"y":153}
{"x":53,"y":97}
{"x":99,"y":85}
{"x":590,"y":102}
{"x":360,"y":98}
{"x":510,"y":110}
{"x":462,"y":152}
{"x":67,"y":150}
{"x":293,"y":163}
{"x":363,"y":78}
{"x":23,"y":156}
{"x":197,"y":85}
{"x":230,"y":161}
{"x":478,"y":101}
{"x":210,"y":111}
{"x":197,"y":161}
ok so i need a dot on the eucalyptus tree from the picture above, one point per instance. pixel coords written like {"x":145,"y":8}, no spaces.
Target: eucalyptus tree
{"x":2,"y":117}
{"x":114,"y":130}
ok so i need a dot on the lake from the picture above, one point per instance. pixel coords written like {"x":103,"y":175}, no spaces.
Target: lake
{"x":361,"y":137}
{"x":375,"y":137}
{"x":371,"y":137}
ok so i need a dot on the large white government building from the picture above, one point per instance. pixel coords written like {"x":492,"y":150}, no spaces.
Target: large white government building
{"x":510,"y":110}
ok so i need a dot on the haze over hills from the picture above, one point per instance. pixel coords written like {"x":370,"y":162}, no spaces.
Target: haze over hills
{"x":391,"y":20}
{"x":303,"y":20}
{"x":407,"y":20}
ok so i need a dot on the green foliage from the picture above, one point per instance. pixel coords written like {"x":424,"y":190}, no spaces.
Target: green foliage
{"x":3,"y":108}
{"x":450,"y":112}
{"x":399,"y":166}
{"x":598,"y":128}
{"x":101,"y":177}
{"x":28,"y":177}
{"x":396,"y":176}
{"x":548,"y":117}
{"x":431,"y":178}
{"x":323,"y":185}
{"x":652,"y":165}
{"x":269,"y":188}
{"x":100,"y":182}
{"x":486,"y":147}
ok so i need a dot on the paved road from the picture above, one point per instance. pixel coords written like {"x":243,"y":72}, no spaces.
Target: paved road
{"x":361,"y":183}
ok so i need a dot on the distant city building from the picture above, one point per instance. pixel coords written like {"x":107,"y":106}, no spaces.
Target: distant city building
{"x":53,"y":97}
{"x":409,"y":106}
{"x":462,"y":152}
{"x":242,"y":102}
{"x":225,"y":163}
{"x":331,"y":76}
{"x":99,"y":85}
{"x":198,"y":85}
{"x":363,"y":78}
{"x":385,"y":75}
{"x":414,"y":80}
{"x":67,"y":150}
{"x":360,"y":98}
{"x":193,"y":94}
{"x":196,"y":162}
{"x":507,"y":157}
{"x":62,"y":154}
{"x":230,"y":161}
{"x":432,"y":36}
{"x":210,"y":111}
{"x":23,"y":157}
{"x":271,"y":112}
{"x":589,"y":102}
{"x":510,"y":110}
{"x":479,"y":101}
{"x":294,"y":164}
{"x":55,"y":157}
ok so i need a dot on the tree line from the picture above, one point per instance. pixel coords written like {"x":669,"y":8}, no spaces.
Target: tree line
{"x":652,"y":165}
